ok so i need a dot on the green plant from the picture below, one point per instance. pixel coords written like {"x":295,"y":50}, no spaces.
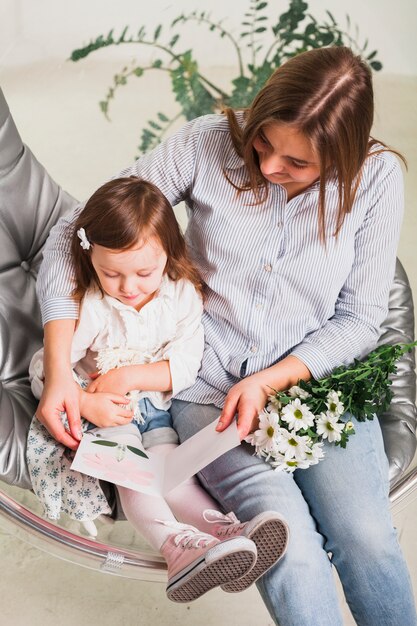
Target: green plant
{"x":293,"y":32}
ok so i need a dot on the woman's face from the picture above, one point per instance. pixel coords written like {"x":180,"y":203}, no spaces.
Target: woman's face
{"x":286,"y":156}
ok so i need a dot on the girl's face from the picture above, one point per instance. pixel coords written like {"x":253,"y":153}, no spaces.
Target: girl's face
{"x":131,"y":276}
{"x":286,"y":157}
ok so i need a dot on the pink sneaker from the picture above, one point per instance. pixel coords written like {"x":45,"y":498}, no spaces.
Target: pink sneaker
{"x":268,"y":531}
{"x":197,"y":562}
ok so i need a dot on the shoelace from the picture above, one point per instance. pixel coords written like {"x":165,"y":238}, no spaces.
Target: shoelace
{"x":228,"y":524}
{"x":190,"y":537}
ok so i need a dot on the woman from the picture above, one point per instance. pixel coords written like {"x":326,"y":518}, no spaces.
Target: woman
{"x":294,"y":218}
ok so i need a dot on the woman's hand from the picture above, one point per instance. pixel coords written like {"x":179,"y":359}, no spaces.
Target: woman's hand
{"x":61,"y":393}
{"x":105,"y":409}
{"x":247,"y":398}
{"x":117,"y":380}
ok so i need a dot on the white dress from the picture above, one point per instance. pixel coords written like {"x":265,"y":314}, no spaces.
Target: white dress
{"x":111,"y":334}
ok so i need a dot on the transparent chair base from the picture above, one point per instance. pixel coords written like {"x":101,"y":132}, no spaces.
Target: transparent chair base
{"x":117,"y":549}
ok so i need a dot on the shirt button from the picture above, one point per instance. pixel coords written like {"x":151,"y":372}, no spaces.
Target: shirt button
{"x":279,"y":224}
{"x":268,"y":267}
{"x":259,"y":306}
{"x":254,"y":349}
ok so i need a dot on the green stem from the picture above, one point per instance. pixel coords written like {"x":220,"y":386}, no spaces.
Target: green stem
{"x":227,"y":34}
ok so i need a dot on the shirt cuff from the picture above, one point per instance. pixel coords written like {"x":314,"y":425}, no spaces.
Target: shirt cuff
{"x":59,"y":309}
{"x":313,"y":358}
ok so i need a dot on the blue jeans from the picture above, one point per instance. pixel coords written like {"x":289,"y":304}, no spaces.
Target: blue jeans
{"x":339,"y":506}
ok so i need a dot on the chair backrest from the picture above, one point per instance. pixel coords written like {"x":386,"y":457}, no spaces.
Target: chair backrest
{"x":30,"y":204}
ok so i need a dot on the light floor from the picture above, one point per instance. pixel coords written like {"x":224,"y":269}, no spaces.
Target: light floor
{"x":55,"y":108}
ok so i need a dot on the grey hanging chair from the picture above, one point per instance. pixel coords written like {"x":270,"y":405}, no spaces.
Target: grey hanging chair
{"x":30,"y":204}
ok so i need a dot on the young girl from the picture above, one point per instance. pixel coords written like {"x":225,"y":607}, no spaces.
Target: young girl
{"x":140,"y":326}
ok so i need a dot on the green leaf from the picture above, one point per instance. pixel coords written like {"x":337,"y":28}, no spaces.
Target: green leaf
{"x":108,"y":444}
{"x":138,"y":452}
{"x":157,"y":32}
{"x":173,"y":41}
{"x":138,"y":71}
{"x":376,"y":65}
{"x":261,"y":6}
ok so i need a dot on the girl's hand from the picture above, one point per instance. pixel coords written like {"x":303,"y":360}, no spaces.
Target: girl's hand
{"x":104,"y":410}
{"x":61,"y":394}
{"x":117,"y":380}
{"x":247,"y":398}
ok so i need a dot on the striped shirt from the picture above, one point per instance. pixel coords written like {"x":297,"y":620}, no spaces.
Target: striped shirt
{"x":272,"y":288}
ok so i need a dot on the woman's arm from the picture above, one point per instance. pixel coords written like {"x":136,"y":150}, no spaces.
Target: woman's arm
{"x":362,"y":304}
{"x":61,"y":392}
{"x":248,"y":397}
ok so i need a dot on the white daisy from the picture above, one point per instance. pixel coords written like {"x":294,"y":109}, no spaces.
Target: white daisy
{"x":334,"y":405}
{"x":315,"y":454}
{"x":296,"y":392}
{"x":328,"y":427}
{"x":264,"y":439}
{"x":293,"y":446}
{"x":274,"y":404}
{"x":297,"y":415}
{"x":288,"y":465}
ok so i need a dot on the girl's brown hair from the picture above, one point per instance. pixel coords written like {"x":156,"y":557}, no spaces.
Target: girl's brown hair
{"x":117,"y":216}
{"x":327,"y":95}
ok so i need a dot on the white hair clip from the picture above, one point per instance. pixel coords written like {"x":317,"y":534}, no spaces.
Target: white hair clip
{"x":85,"y":244}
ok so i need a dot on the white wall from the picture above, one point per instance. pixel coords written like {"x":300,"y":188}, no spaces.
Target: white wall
{"x":31,"y":30}
{"x":55,"y":103}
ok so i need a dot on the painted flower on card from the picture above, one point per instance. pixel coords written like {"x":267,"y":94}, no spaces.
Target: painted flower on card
{"x":115,"y":471}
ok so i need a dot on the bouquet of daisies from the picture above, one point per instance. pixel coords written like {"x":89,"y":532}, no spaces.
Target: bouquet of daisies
{"x":295,"y":423}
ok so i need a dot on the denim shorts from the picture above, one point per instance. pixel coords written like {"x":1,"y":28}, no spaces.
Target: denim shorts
{"x":157,"y":427}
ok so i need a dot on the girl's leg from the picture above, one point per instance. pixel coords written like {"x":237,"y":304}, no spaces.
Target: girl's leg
{"x":301,"y":588}
{"x":189,"y":500}
{"x":142,"y":510}
{"x":192,"y":504}
{"x":339,"y":505}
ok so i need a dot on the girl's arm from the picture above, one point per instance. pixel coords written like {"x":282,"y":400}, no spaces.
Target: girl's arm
{"x":147,"y":377}
{"x":248,"y":397}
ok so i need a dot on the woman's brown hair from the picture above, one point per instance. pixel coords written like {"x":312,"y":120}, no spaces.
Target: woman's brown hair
{"x":117,"y":216}
{"x":327,"y":95}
